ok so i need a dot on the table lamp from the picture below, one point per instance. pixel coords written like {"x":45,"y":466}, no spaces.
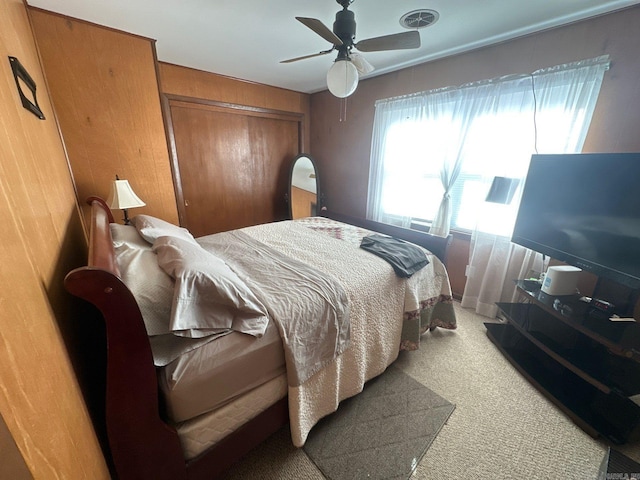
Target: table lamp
{"x":122,"y":197}
{"x":502,"y":190}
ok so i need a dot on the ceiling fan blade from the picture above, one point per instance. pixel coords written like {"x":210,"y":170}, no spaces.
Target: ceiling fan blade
{"x":396,"y":41}
{"x":290,"y":60}
{"x":321,"y":29}
{"x":361,"y":63}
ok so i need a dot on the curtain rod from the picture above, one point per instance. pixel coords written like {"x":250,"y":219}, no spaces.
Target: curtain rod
{"x":601,"y":60}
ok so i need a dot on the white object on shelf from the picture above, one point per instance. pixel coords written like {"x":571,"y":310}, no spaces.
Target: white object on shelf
{"x":561,"y":280}
{"x":616,"y":318}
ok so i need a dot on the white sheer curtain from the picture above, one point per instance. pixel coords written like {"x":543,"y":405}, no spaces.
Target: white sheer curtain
{"x":413,"y":136}
{"x":562,"y":99}
{"x":386,"y":120}
{"x":434,"y":149}
{"x":463,"y":107}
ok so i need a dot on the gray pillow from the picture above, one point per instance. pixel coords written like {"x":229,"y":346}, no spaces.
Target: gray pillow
{"x":150,"y":285}
{"x":209,"y":298}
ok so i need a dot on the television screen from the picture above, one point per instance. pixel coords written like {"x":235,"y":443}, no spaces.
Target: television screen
{"x":584,"y":210}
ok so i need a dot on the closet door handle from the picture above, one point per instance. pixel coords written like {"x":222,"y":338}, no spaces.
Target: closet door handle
{"x":186,"y":203}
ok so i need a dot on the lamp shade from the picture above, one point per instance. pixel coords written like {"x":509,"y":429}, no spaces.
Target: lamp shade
{"x":342,"y":78}
{"x":122,"y":196}
{"x":502,"y":190}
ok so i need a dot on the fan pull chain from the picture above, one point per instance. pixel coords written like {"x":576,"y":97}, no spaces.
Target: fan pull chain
{"x":343,"y":109}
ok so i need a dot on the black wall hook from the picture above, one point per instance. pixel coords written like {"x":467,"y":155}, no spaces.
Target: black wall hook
{"x":20,"y":73}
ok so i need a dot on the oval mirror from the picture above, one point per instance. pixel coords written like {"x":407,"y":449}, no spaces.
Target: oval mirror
{"x":303,"y":187}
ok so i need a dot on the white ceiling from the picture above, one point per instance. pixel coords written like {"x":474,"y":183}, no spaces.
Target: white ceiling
{"x":248,"y":38}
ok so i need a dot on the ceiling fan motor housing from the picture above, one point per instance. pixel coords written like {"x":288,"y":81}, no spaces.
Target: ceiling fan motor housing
{"x":343,"y":37}
{"x":345,"y":29}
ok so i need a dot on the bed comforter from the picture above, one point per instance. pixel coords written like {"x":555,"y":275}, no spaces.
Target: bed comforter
{"x":309,"y":307}
{"x":378,"y":299}
{"x":386,"y":313}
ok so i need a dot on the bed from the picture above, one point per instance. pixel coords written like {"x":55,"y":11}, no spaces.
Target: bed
{"x":189,"y":401}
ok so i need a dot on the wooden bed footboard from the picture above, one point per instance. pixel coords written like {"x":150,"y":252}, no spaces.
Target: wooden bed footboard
{"x":142,"y":444}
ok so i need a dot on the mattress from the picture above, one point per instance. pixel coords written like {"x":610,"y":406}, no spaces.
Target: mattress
{"x":200,"y":433}
{"x":215,"y":374}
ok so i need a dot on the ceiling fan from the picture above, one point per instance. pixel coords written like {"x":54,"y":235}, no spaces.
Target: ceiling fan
{"x":342,"y":78}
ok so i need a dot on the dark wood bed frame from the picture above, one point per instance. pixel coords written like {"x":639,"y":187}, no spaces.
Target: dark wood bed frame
{"x":143,"y":444}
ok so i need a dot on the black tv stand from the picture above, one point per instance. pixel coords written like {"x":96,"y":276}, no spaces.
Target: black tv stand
{"x":586,"y":364}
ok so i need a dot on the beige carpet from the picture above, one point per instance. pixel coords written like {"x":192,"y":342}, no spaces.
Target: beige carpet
{"x":502,"y":427}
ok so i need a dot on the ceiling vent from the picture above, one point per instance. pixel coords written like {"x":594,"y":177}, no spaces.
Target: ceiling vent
{"x":419,"y":18}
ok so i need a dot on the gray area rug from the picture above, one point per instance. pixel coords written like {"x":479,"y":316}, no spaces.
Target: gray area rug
{"x":382,"y":433}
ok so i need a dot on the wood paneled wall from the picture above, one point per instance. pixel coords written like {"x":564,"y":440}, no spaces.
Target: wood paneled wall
{"x":303,"y":202}
{"x":41,"y":239}
{"x":187,"y":82}
{"x":342,"y":149}
{"x":233,"y":172}
{"x":233,"y":164}
{"x":105,"y":90}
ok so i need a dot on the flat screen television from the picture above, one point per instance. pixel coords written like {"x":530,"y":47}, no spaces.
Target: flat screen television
{"x":584,"y":210}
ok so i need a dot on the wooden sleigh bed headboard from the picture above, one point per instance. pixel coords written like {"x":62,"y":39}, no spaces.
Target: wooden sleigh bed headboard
{"x":143,"y":445}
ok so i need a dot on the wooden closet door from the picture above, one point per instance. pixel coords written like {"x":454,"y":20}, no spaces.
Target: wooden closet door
{"x":233,"y":164}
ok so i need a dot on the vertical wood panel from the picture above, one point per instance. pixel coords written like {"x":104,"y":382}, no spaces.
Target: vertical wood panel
{"x":233,"y":165}
{"x":274,"y":143}
{"x":187,"y":82}
{"x":303,"y":203}
{"x":105,"y":90}
{"x":41,"y":237}
{"x":263,"y":178}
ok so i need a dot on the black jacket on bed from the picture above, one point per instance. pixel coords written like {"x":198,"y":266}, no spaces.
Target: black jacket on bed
{"x":405,"y":258}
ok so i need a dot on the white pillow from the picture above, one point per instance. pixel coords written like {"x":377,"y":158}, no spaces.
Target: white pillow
{"x":127,"y":235}
{"x":209,"y":297}
{"x":149,"y":284}
{"x":152,"y":228}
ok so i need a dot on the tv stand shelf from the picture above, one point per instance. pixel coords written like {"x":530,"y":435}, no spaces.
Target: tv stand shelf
{"x":586,"y":364}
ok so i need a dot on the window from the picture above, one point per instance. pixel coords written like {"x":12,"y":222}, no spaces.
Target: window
{"x":462,"y":137}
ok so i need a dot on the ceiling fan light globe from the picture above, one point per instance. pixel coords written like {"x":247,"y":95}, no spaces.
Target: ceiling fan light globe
{"x":342,"y":78}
